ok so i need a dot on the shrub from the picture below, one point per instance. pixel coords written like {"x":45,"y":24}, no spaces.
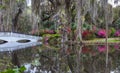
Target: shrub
{"x":87,"y":35}
{"x":101,"y":48}
{"x":87,"y":26}
{"x":24,"y":24}
{"x":102,"y":33}
{"x":15,"y":70}
{"x":86,"y":50}
{"x":112,"y":32}
{"x":49,"y":31}
{"x":117,"y":33}
{"x":117,"y":47}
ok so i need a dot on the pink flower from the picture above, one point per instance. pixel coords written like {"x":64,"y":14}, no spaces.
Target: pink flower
{"x":94,"y":28}
{"x":117,"y":47}
{"x":101,"y":48}
{"x":49,"y":31}
{"x":46,"y":40}
{"x":102,"y":33}
{"x":33,"y":31}
{"x":117,"y":33}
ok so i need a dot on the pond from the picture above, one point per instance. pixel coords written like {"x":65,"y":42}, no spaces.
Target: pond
{"x":64,"y":58}
{"x":60,"y":36}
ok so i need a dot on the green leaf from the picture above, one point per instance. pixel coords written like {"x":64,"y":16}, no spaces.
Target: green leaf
{"x":8,"y":71}
{"x":16,"y":70}
{"x":2,"y":6}
{"x":17,"y":0}
{"x":22,"y":69}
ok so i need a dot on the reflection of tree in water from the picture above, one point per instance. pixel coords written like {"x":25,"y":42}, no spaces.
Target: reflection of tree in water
{"x":48,"y":60}
{"x":5,"y":61}
{"x":62,"y":61}
{"x":11,"y":59}
{"x":54,"y":60}
{"x":94,"y":61}
{"x":91,"y":61}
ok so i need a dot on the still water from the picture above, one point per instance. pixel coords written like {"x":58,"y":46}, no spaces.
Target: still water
{"x":64,"y":58}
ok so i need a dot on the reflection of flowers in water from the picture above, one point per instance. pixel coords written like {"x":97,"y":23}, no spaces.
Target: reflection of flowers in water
{"x":86,"y":50}
{"x":117,"y":33}
{"x":101,"y":48}
{"x":46,"y":40}
{"x":117,"y":47}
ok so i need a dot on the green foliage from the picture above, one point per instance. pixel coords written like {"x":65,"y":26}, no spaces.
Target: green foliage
{"x":112,"y":32}
{"x":6,"y":0}
{"x":52,"y":35}
{"x":22,"y":69}
{"x":2,"y":7}
{"x":117,"y":23}
{"x":24,"y":24}
{"x":17,"y":0}
{"x":48,"y":24}
{"x":20,"y":0}
{"x":87,"y":26}
{"x":116,"y":13}
{"x":52,"y":38}
{"x":73,"y":26}
{"x":8,"y":71}
{"x":16,"y":70}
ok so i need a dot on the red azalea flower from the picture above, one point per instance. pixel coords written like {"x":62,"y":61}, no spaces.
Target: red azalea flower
{"x":85,"y":33}
{"x":86,"y":50}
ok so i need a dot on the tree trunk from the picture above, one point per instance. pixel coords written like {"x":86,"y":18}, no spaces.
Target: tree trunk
{"x":79,"y":20}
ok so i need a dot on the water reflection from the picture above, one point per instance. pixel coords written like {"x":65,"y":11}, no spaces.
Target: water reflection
{"x":64,"y":58}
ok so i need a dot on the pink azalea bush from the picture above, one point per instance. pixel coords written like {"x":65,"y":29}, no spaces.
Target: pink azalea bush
{"x":102,"y":33}
{"x":101,"y":48}
{"x":34,"y":31}
{"x":117,"y":33}
{"x":94,"y":28}
{"x":49,"y":31}
{"x":117,"y":47}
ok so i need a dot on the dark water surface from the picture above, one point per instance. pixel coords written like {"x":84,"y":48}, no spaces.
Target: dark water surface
{"x":64,"y":58}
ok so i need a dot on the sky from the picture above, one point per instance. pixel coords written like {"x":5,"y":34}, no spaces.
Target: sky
{"x":112,"y":3}
{"x":28,"y":2}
